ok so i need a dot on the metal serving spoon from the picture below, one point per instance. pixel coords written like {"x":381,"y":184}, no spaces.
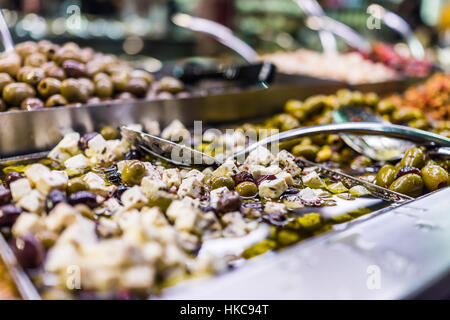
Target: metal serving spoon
{"x":377,"y":148}
{"x":183,"y":155}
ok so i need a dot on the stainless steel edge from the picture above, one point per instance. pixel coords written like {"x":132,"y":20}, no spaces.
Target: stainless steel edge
{"x":394,"y":255}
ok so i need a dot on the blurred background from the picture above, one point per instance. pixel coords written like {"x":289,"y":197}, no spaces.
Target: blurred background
{"x":137,"y":28}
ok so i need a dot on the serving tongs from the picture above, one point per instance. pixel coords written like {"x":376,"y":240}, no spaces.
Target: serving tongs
{"x":183,"y":155}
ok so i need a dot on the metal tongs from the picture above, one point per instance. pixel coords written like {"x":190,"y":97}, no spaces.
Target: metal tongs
{"x":185,"y":156}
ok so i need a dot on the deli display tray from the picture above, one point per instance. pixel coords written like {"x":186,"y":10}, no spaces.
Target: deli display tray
{"x":24,"y":132}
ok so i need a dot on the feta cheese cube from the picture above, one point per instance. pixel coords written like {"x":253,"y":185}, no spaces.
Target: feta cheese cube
{"x":259,"y":156}
{"x":60,"y":257}
{"x":275,"y":207}
{"x":259,"y":171}
{"x":228,"y":168}
{"x":107,"y":227}
{"x":138,"y":277}
{"x":153,"y":217}
{"x":134,"y":198}
{"x":97,"y":145}
{"x":20,"y":188}
{"x":52,"y":180}
{"x":287,"y":161}
{"x":308,"y":195}
{"x":58,"y":155}
{"x":313,"y":180}
{"x":69,"y":144}
{"x":112,"y":205}
{"x":61,"y":216}
{"x":171,"y":177}
{"x":190,"y":187}
{"x":97,"y":184}
{"x":150,"y":185}
{"x":81,"y":232}
{"x":27,"y":223}
{"x":196,"y":174}
{"x":127,"y":218}
{"x":287,"y":177}
{"x":77,"y":163}
{"x":32,"y":202}
{"x":152,"y":127}
{"x":272,"y":188}
{"x":215,"y":195}
{"x":184,"y":215}
{"x":35,"y":172}
{"x":176,"y":131}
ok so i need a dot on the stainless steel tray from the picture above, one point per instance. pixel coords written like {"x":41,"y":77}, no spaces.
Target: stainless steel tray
{"x":32,"y":131}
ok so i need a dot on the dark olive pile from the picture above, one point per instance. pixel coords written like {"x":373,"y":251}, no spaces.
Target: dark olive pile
{"x":44,"y":74}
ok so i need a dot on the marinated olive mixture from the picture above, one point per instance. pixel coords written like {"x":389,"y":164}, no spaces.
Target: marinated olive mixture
{"x":44,"y":74}
{"x":134,"y":225}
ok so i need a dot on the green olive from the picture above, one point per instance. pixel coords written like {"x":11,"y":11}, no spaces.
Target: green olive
{"x":410,"y":184}
{"x":26,"y":48}
{"x":434,"y":177}
{"x":161,"y":199}
{"x":170,"y":84}
{"x":36,"y":59}
{"x":386,"y":175}
{"x":218,"y":182}
{"x":133,"y":172}
{"x":88,"y":84}
{"x":55,"y":101}
{"x":385,"y":107}
{"x":15,"y":93}
{"x":48,"y":87}
{"x":52,"y":70}
{"x":137,"y":87}
{"x":30,"y":75}
{"x":141,"y":74}
{"x":308,"y":152}
{"x":31,"y":103}
{"x":3,"y":105}
{"x":10,"y":64}
{"x":109,"y":132}
{"x":419,"y":124}
{"x":73,"y":91}
{"x":247,"y":189}
{"x":404,"y":115}
{"x":414,"y":157}
{"x":4,"y":80}
{"x":120,"y":80}
{"x":77,"y":184}
{"x":104,"y":88}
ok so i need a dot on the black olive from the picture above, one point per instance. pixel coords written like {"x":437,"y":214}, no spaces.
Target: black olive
{"x":5,"y":195}
{"x":84,"y":197}
{"x":243,"y":176}
{"x":133,"y":155}
{"x":54,"y":197}
{"x":230,"y":201}
{"x":12,"y":176}
{"x":83,"y":143}
{"x":9,"y":214}
{"x":28,"y":251}
{"x":119,"y":191}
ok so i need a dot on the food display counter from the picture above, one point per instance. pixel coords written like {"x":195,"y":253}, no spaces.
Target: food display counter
{"x":88,"y":212}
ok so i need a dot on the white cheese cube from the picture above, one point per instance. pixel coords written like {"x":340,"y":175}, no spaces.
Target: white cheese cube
{"x":259,"y":156}
{"x":171,"y":177}
{"x":107,"y":227}
{"x":112,"y":205}
{"x":215,"y":195}
{"x":228,"y":168}
{"x":184,"y":215}
{"x":69,"y":144}
{"x":287,"y":161}
{"x":53,"y":180}
{"x":259,"y":171}
{"x":32,"y":202}
{"x":153,"y":217}
{"x":287,"y":177}
{"x":152,"y":127}
{"x":275,"y":207}
{"x":27,"y":223}
{"x":58,"y":155}
{"x":272,"y":188}
{"x":35,"y":172}
{"x":127,"y":218}
{"x":61,"y":216}
{"x":97,"y":184}
{"x":176,"y":131}
{"x":138,"y":277}
{"x":196,"y":174}
{"x":313,"y":180}
{"x":20,"y":188}
{"x":308,"y":195}
{"x":81,"y":232}
{"x":134,"y":198}
{"x":151,"y":252}
{"x":77,"y":163}
{"x":150,"y":185}
{"x":97,"y":145}
{"x":190,"y":187}
{"x":60,"y":257}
